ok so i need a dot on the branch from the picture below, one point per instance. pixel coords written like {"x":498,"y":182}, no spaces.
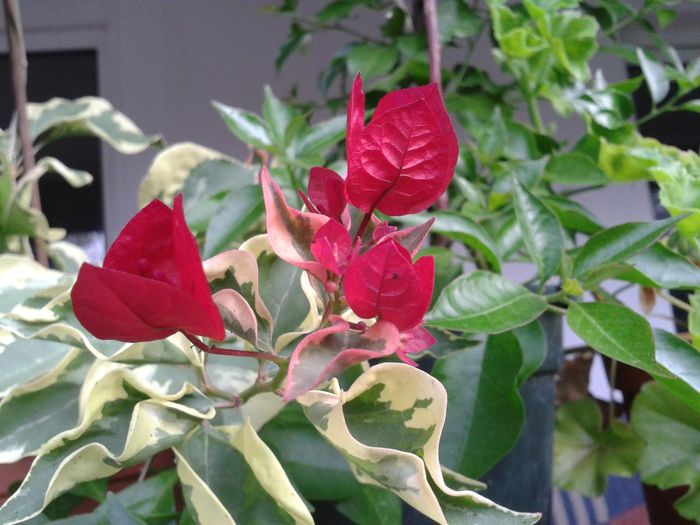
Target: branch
{"x":433,"y":32}
{"x":18,"y":65}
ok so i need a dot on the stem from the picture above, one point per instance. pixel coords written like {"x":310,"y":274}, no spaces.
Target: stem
{"x":18,"y":64}
{"x":363,"y":225}
{"x":612,"y":377}
{"x":144,"y":470}
{"x":433,"y":33}
{"x":556,"y":309}
{"x":270,"y":386}
{"x":674,"y":301}
{"x":656,"y":111}
{"x":265,"y":356}
{"x":534,"y":111}
{"x":582,"y":189}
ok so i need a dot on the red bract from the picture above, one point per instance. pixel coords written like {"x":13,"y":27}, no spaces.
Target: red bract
{"x":151,"y":284}
{"x":404,"y":159}
{"x":327,"y":192}
{"x":385,"y":283}
{"x":332,"y":247}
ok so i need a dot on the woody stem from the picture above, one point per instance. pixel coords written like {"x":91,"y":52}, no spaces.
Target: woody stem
{"x":363,"y":225}
{"x":263,"y":356}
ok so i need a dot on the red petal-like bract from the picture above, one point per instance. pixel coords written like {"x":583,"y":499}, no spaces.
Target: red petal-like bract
{"x":383,"y":282}
{"x":413,"y":341}
{"x":327,"y":191}
{"x":151,"y":284}
{"x":290,"y":231}
{"x":404,"y":159}
{"x":332,"y":246}
{"x":328,"y":351}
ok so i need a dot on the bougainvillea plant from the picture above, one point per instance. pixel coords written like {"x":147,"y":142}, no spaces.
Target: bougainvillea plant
{"x":368,"y":295}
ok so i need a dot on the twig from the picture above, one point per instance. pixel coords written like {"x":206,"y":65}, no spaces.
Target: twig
{"x":433,"y":33}
{"x":674,"y":302}
{"x":231,"y":352}
{"x":18,"y":64}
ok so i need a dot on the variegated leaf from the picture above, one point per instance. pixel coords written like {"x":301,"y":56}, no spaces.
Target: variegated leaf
{"x":259,"y":492}
{"x":123,"y":420}
{"x":388,"y":426}
{"x":171,"y":168}
{"x":328,"y":351}
{"x":287,"y":292}
{"x":237,"y":314}
{"x":92,"y":116}
{"x":237,"y":270}
{"x":38,"y":410}
{"x":22,"y":277}
{"x":290,"y":232}
{"x":76,"y":178}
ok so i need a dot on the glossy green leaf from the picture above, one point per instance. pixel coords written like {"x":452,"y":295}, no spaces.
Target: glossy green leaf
{"x":320,"y":136}
{"x":671,"y":432}
{"x":615,"y":331}
{"x":585,"y":454}
{"x":457,"y":19}
{"x":659,"y":267}
{"x":485,"y":412}
{"x":485,"y":302}
{"x":372,"y":505}
{"x":233,"y":219}
{"x":574,"y":168}
{"x":295,"y":39}
{"x":618,"y":243}
{"x":678,"y":357}
{"x":371,"y":60}
{"x":278,"y":116}
{"x":572,"y":215}
{"x":247,"y":126}
{"x":533,"y":347}
{"x":459,"y":228}
{"x":541,"y":231}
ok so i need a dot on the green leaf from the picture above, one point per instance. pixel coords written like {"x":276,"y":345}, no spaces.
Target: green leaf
{"x":572,"y":215}
{"x":229,"y":479}
{"x":671,"y":432}
{"x":678,"y":357}
{"x":619,"y":243}
{"x":233,"y":219}
{"x":541,"y":231}
{"x":654,"y":75}
{"x":320,"y":136}
{"x":371,"y":60}
{"x":659,"y":267}
{"x":339,"y":9}
{"x":25,"y":360}
{"x":277,"y":116}
{"x":533,"y":346}
{"x":459,"y":228}
{"x":372,"y":506}
{"x":574,"y":168}
{"x":485,"y":412}
{"x":457,"y":19}
{"x":295,"y":39}
{"x":485,"y":302}
{"x":312,"y":464}
{"x":585,"y":454}
{"x":87,"y":116}
{"x":247,"y":126}
{"x":615,"y":331}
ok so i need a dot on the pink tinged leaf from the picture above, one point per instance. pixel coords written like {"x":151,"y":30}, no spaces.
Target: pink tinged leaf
{"x":237,"y":314}
{"x":356,"y":116}
{"x":290,"y":231}
{"x":414,"y":341}
{"x":384,"y":283}
{"x":410,"y":238}
{"x":381,"y":230}
{"x":332,"y":247}
{"x":327,"y":192}
{"x":328,"y":351}
{"x":404,"y":159}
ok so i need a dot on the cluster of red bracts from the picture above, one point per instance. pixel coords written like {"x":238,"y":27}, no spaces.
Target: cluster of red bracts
{"x":152,"y":284}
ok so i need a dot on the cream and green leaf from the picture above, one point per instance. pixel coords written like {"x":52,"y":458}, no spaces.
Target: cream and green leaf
{"x":410,"y":407}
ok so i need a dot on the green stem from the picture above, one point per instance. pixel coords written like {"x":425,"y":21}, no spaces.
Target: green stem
{"x":270,"y":386}
{"x":534,"y":111}
{"x":674,"y":301}
{"x":556,"y":309}
{"x":657,"y":111}
{"x":612,"y":377}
